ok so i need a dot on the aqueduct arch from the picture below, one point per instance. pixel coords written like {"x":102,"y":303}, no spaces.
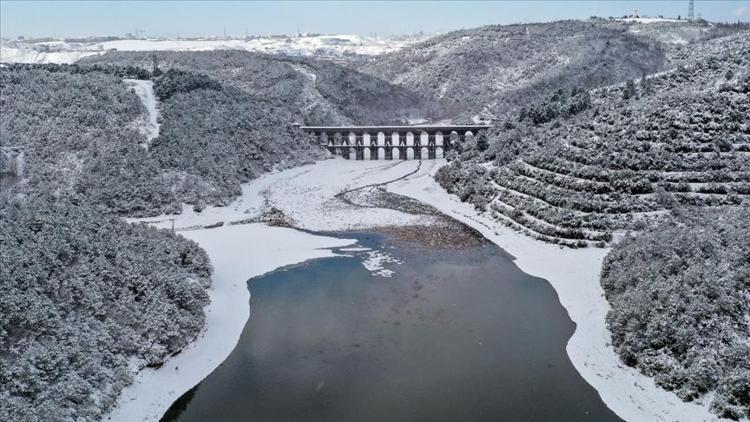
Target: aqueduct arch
{"x":392,"y":142}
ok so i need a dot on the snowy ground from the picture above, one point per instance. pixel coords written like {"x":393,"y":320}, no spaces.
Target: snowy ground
{"x":330,"y":46}
{"x":237,"y":254}
{"x":145,"y":91}
{"x":646,"y":20}
{"x":307,"y":195}
{"x":10,"y":54}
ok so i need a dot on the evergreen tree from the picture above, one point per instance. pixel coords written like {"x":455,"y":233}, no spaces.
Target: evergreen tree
{"x":482,"y":142}
{"x":646,"y":85}
{"x":155,"y":71}
{"x":630,"y":90}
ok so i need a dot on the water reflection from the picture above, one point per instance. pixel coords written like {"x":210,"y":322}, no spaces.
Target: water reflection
{"x":453,"y":335}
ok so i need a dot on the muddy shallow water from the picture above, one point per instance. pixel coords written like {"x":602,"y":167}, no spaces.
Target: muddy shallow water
{"x":454,"y":334}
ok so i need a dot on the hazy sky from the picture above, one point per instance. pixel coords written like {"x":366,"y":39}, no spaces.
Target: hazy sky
{"x":205,"y":18}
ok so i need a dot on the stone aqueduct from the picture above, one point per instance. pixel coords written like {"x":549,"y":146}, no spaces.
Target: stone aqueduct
{"x":392,"y":142}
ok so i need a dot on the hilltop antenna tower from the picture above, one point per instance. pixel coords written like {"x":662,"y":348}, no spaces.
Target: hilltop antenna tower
{"x":691,"y":11}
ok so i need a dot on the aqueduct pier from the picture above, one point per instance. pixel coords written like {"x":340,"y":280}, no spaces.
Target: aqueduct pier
{"x":392,"y":142}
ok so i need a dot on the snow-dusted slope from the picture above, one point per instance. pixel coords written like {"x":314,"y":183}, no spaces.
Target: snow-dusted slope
{"x":671,"y":31}
{"x":145,"y":91}
{"x":329,"y":46}
{"x":494,"y":70}
{"x":25,"y":54}
{"x":319,"y":45}
{"x":647,"y":20}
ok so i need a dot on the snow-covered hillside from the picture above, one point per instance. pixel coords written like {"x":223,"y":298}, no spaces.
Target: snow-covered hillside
{"x":647,"y":20}
{"x":328,"y":46}
{"x":671,"y":31}
{"x":23,"y":53}
{"x":493,"y":70}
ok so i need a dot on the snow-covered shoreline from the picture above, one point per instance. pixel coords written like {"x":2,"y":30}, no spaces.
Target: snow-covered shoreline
{"x":306,"y":195}
{"x":574,"y":274}
{"x":237,"y":254}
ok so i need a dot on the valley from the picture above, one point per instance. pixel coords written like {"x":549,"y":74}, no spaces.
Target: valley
{"x":606,"y":182}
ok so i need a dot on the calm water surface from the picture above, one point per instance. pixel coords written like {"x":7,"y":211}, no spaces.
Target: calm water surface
{"x":454,"y":335}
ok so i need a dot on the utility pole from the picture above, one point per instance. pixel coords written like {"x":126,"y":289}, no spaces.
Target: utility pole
{"x":155,"y":71}
{"x":691,"y":11}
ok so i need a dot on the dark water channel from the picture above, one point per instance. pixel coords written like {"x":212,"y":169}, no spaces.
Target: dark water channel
{"x":453,"y":335}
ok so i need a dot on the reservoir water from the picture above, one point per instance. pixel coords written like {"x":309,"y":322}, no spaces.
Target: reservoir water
{"x":454,"y":334}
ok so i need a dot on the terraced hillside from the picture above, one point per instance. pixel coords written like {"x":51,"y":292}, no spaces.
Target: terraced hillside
{"x":674,"y":139}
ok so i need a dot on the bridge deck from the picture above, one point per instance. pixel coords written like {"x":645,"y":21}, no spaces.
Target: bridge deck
{"x":395,"y":128}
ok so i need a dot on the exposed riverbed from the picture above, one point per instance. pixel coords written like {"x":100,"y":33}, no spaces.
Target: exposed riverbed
{"x":447,"y":334}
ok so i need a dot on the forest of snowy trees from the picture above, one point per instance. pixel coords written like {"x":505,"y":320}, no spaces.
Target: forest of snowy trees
{"x":599,"y":130}
{"x":78,"y":130}
{"x":85,"y":301}
{"x":680,"y":295}
{"x":314,"y":91}
{"x":214,"y":137}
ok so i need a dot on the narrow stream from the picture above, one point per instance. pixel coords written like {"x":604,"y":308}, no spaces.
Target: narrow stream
{"x":456,"y":334}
